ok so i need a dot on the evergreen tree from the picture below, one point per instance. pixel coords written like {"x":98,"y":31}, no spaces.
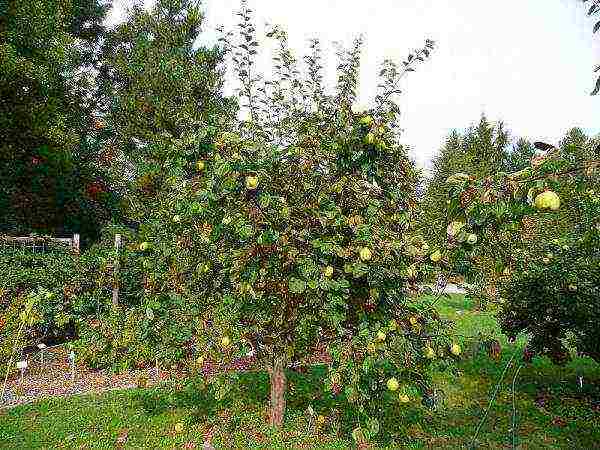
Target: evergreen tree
{"x":481,"y":151}
{"x":161,"y":95}
{"x":519,"y":156}
{"x":47,"y":48}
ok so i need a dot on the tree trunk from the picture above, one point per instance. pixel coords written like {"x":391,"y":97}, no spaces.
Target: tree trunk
{"x":278,"y":388}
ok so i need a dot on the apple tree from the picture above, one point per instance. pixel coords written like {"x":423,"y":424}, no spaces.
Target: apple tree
{"x":305,"y":216}
{"x":542,"y":223}
{"x":161,"y":105}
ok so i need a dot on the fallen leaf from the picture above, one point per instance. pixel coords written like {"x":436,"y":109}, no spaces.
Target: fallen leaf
{"x":122,"y":437}
{"x":559,"y":422}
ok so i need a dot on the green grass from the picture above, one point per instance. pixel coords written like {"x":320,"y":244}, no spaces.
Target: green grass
{"x":567,"y":419}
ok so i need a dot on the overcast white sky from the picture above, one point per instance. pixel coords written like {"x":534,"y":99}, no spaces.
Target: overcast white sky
{"x":526,"y":62}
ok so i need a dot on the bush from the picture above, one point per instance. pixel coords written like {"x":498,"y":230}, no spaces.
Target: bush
{"x":58,"y":273}
{"x":553,"y":296}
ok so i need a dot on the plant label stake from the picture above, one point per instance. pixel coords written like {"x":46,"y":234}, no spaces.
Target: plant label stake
{"x":22,"y":365}
{"x":72,"y":359}
{"x":42,"y":347}
{"x":157,"y":375}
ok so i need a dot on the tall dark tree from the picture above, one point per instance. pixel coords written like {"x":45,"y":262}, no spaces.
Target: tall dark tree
{"x":480,"y":151}
{"x":47,"y":50}
{"x":161,"y":94}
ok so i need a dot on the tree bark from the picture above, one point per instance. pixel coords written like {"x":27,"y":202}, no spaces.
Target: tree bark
{"x":278,"y":389}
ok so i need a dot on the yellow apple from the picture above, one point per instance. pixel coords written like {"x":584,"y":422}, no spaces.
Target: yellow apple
{"x":547,"y":200}
{"x":392,"y":384}
{"x":251,"y":182}
{"x":179,"y":427}
{"x":367,"y":120}
{"x":176,"y":218}
{"x":365,"y":254}
{"x":328,"y":272}
{"x":436,"y":256}
{"x":200,"y":165}
{"x":381,"y":336}
{"x":371,"y":348}
{"x":225,"y":341}
{"x":370,"y":138}
{"x":429,"y":353}
{"x":144,"y":246}
{"x":455,"y":349}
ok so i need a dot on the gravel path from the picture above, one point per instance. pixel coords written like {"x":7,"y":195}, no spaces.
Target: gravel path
{"x":54,"y":379}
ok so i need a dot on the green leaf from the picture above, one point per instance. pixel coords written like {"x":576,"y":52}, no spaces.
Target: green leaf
{"x":373,"y":425}
{"x":597,"y":88}
{"x":297,"y":286}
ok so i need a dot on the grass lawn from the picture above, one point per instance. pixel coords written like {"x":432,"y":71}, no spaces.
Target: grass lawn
{"x":552,"y":410}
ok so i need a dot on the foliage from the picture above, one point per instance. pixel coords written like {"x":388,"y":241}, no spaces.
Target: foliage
{"x":161,"y":98}
{"x":57,"y":273}
{"x":552,"y":410}
{"x":480,"y":151}
{"x":542,"y":289}
{"x":162,"y":104}
{"x":595,"y":11}
{"x":49,"y":182}
{"x":297,"y":233}
{"x":135,"y":332}
{"x":555,"y":299}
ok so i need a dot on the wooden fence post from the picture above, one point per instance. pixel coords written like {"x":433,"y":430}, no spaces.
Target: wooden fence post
{"x":115,"y":292}
{"x":76,"y":243}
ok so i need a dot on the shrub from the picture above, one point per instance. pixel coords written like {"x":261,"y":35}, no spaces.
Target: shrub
{"x":58,"y":274}
{"x":553,"y":295}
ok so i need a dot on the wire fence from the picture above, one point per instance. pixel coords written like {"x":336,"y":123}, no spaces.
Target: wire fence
{"x":39,"y":244}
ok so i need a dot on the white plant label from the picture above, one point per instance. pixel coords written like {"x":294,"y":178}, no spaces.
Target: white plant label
{"x":22,"y":365}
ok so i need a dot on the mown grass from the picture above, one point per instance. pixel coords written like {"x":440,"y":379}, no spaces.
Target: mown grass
{"x":552,"y":410}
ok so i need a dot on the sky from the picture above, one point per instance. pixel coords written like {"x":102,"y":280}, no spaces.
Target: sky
{"x":527,"y":63}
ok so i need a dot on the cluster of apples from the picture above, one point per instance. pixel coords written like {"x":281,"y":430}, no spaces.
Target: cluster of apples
{"x":373,"y":136}
{"x":393,"y":384}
